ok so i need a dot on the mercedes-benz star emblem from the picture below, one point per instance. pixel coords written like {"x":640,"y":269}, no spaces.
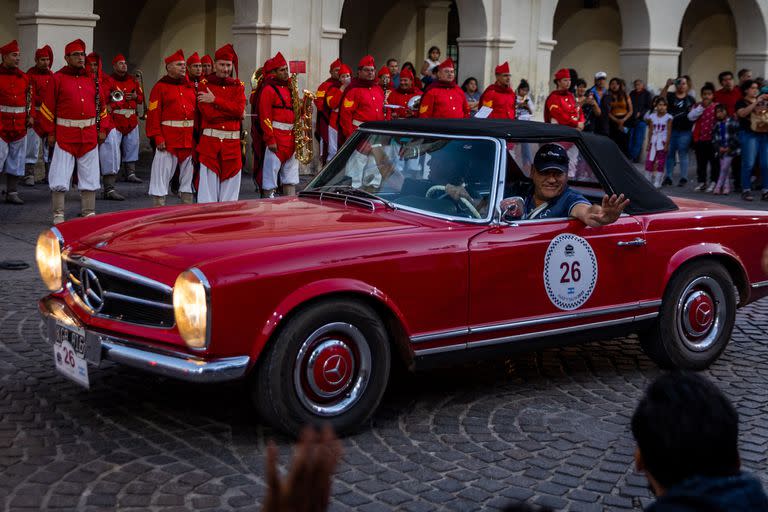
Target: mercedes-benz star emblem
{"x":335,"y":369}
{"x":702,"y":313}
{"x":93,"y":295}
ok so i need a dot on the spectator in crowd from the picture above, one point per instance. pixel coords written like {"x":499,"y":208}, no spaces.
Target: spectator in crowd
{"x":703,"y":115}
{"x":574,"y":76}
{"x":416,"y":81}
{"x":525,"y":107}
{"x":726,"y":144}
{"x":687,"y":434}
{"x":617,"y":108}
{"x":599,"y":88}
{"x":642,"y":103}
{"x":472,"y":92}
{"x":678,"y":105}
{"x":589,"y":106}
{"x":744,"y":75}
{"x":394,"y":75}
{"x":432,"y":77}
{"x":752,"y":112}
{"x":431,"y":62}
{"x":728,"y":94}
{"x":659,"y":133}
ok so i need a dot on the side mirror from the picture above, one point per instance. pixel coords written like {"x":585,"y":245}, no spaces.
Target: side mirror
{"x":512,"y":209}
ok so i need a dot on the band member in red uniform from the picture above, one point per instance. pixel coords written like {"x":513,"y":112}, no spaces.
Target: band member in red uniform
{"x":444,"y":99}
{"x":323,"y":112}
{"x":384,"y":77}
{"x":170,"y":126}
{"x":561,"y":106}
{"x":276,"y":120}
{"x":398,"y":101}
{"x":333,"y":101}
{"x":221,"y":101}
{"x":14,"y":119}
{"x":109,"y":150}
{"x":39,"y":75}
{"x":207,"y":64}
{"x":70,"y":116}
{"x":363,"y":100}
{"x":499,"y":96}
{"x":194,"y":68}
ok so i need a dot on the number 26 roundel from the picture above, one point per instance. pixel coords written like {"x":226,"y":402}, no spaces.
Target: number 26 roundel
{"x":570,"y":271}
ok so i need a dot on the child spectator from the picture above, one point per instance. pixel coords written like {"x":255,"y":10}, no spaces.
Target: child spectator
{"x":659,"y":132}
{"x":726,"y":143}
{"x":703,"y":115}
{"x":472,"y":92}
{"x":589,"y":106}
{"x":525,"y":107}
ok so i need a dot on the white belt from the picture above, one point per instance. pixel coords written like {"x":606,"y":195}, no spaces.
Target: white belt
{"x":127,"y":112}
{"x":13,"y":110}
{"x":282,"y":126}
{"x":221,"y":134}
{"x":356,"y":122}
{"x":76,"y":123}
{"x":186,"y":123}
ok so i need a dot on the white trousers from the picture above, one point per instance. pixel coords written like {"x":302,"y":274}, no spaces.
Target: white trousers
{"x":163,"y":167}
{"x":333,"y":142}
{"x":33,"y":147}
{"x":211,"y":190}
{"x":12,"y":156}
{"x":129,"y":145}
{"x":63,"y":165}
{"x":109,"y":154}
{"x":289,"y":171}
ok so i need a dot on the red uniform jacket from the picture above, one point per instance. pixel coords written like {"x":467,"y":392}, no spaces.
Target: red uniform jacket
{"x":71,"y":96}
{"x":400,"y":98}
{"x":122,"y":117}
{"x":333,"y":101}
{"x":221,"y":155}
{"x":444,"y":101}
{"x":39,"y":79}
{"x":501,"y":100}
{"x":321,"y":105}
{"x":13,"y":101}
{"x":173,"y":101}
{"x":561,"y":107}
{"x":276,"y":107}
{"x":362,"y":101}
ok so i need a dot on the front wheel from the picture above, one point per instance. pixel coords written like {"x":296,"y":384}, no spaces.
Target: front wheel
{"x":330,"y":363}
{"x":696,"y":319}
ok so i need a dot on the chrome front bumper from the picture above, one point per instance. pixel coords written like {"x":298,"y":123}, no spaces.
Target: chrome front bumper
{"x":167,"y":363}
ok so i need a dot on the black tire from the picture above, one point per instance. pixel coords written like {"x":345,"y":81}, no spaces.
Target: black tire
{"x":696,"y":318}
{"x":303,"y":377}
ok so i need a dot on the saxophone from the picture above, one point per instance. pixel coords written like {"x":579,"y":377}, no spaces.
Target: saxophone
{"x":302,"y":124}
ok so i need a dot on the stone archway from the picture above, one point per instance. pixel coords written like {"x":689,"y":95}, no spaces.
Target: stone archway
{"x":751,"y":21}
{"x":708,"y":41}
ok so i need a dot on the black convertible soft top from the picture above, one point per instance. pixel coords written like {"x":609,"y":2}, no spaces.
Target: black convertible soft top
{"x":620,"y":175}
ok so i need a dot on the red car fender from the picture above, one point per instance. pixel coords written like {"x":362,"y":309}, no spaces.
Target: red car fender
{"x":732,"y":262}
{"x":318,"y":289}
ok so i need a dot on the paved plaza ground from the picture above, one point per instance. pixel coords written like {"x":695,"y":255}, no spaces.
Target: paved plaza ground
{"x":550,"y":427}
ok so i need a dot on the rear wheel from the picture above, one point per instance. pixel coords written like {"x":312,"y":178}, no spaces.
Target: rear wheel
{"x":696,"y":319}
{"x":330,"y":363}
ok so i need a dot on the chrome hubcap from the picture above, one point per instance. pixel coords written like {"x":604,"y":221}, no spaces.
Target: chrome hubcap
{"x":332,"y":369}
{"x":701,"y":313}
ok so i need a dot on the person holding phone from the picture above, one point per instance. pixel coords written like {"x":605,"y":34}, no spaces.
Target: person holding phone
{"x":679,"y":103}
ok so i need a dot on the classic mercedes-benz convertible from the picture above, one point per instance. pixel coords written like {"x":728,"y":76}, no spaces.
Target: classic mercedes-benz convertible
{"x":380,"y":260}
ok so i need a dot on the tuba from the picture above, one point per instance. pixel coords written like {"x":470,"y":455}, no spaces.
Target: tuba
{"x":302,"y":124}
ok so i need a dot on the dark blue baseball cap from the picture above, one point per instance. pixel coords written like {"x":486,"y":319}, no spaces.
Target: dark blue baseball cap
{"x":551,"y":156}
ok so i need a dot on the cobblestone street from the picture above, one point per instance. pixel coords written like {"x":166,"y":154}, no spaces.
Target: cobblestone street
{"x":550,"y":427}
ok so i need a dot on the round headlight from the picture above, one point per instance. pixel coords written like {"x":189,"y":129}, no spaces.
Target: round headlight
{"x":48,"y":256}
{"x":191,"y":295}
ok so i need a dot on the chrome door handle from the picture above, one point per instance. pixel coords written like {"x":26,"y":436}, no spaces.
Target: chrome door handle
{"x":632,"y":243}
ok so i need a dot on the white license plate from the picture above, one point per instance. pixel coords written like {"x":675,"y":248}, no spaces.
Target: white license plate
{"x":69,"y":345}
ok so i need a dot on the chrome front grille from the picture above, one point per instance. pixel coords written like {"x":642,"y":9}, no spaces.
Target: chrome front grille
{"x":112,"y":292}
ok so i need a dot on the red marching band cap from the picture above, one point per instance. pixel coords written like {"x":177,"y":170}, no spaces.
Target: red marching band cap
{"x":78,"y":45}
{"x":194,"y":59}
{"x":227,"y":52}
{"x":383,"y":71}
{"x":366,"y":61}
{"x":276,"y":62}
{"x":206,"y":59}
{"x":562,"y":73}
{"x":344,"y":70}
{"x":11,"y":47}
{"x":502,"y":69}
{"x":335,"y":64}
{"x":446,"y":64}
{"x":406,"y":73}
{"x":45,"y":51}
{"x":92,"y":57}
{"x":176,"y":57}
{"x":118,"y":58}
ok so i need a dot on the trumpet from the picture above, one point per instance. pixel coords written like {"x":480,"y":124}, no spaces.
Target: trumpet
{"x":116,"y":96}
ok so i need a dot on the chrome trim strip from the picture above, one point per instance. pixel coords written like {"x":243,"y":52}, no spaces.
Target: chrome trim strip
{"x":167,"y":363}
{"x":646,"y":316}
{"x":760,"y":284}
{"x":535,"y":321}
{"x":136,"y":300}
{"x":439,"y":350}
{"x":207,"y":285}
{"x":118,"y":272}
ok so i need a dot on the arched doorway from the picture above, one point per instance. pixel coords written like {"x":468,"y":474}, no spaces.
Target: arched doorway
{"x":708,"y":40}
{"x":588,"y":39}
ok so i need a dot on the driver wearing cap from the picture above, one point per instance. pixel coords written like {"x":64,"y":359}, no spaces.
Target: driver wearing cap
{"x":552,"y":198}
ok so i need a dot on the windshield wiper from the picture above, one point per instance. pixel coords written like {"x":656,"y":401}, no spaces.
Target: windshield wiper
{"x":352,"y":191}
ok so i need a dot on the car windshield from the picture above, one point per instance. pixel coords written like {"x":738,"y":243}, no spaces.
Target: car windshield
{"x":437,"y":175}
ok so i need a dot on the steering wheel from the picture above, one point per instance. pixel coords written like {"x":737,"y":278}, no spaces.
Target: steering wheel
{"x":462,"y":200}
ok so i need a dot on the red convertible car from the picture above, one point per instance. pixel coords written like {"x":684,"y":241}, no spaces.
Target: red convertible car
{"x":314,"y":298}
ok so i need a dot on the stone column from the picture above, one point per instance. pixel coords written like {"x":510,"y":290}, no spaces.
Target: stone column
{"x":54,"y":22}
{"x":652,"y":65}
{"x":757,"y":61}
{"x":432,"y":28}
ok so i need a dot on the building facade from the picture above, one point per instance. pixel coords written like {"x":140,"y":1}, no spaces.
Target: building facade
{"x":648,"y":39}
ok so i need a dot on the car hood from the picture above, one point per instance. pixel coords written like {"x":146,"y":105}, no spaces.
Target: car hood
{"x":190,"y":236}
